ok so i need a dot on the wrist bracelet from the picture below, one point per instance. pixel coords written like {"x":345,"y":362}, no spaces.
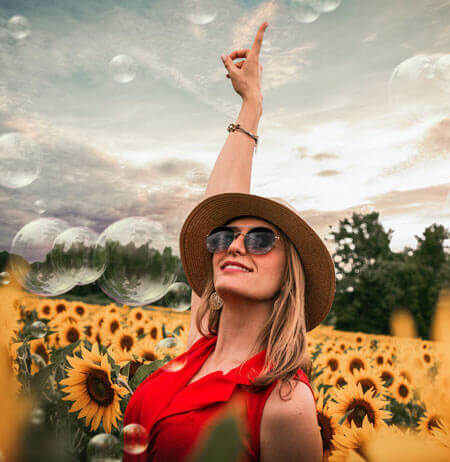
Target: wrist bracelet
{"x":232,"y":127}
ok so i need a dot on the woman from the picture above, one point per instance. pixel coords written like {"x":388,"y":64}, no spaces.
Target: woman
{"x":247,"y":336}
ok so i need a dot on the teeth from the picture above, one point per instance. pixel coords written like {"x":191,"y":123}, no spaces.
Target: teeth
{"x":237,"y":267}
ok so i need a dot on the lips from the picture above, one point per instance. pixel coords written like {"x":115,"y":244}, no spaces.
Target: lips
{"x":230,"y":262}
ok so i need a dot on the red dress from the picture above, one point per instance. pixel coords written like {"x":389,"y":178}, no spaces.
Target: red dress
{"x":175,"y":412}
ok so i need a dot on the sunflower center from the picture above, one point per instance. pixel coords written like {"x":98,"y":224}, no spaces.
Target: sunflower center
{"x":99,"y":388}
{"x":403,"y":391}
{"x":88,"y":331}
{"x":72,"y":335}
{"x":154,"y":332}
{"x":126,"y":342}
{"x":148,"y":355}
{"x":426,"y":358}
{"x":361,"y":409}
{"x":386,"y":376}
{"x":140,"y":331}
{"x":138,"y":316}
{"x":380,"y":360}
{"x":432,"y":422}
{"x":79,"y":310}
{"x":114,"y":326}
{"x":326,"y":431}
{"x":333,"y":364}
{"x":42,"y":352}
{"x":356,"y":363}
{"x":340,"y":382}
{"x":46,"y":309}
{"x":366,"y":383}
{"x":60,"y":308}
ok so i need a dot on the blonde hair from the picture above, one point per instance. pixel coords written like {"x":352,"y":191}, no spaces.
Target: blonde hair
{"x":284,"y":334}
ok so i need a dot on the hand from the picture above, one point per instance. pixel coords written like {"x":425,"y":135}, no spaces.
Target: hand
{"x":246,"y":75}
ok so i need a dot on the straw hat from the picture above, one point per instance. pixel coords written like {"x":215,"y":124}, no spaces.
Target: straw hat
{"x":219,"y":209}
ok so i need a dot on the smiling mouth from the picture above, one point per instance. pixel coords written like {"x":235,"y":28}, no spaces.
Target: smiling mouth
{"x":235,"y":269}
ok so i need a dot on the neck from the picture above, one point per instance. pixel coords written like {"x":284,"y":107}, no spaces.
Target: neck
{"x":241,"y":321}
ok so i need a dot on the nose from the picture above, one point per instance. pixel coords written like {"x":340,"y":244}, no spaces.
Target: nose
{"x":237,"y":246}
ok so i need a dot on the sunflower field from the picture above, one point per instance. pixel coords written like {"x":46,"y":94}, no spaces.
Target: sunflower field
{"x":68,"y":369}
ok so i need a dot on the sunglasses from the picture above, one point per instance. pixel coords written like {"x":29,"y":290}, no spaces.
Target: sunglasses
{"x":258,"y":240}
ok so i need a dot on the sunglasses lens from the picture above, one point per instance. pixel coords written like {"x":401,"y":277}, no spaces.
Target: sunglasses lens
{"x":219,"y":240}
{"x":260,"y":242}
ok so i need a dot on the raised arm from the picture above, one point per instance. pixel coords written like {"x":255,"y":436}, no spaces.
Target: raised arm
{"x":233,"y":167}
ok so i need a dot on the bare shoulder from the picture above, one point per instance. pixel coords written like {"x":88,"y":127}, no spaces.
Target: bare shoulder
{"x":289,"y":429}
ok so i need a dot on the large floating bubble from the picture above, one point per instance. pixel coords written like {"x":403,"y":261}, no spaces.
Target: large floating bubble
{"x":139,"y":266}
{"x":103,"y":447}
{"x":18,"y":27}
{"x":123,"y":68}
{"x":20,"y":160}
{"x":40,"y":206}
{"x":324,"y":6}
{"x":73,"y":252}
{"x":135,"y":438}
{"x":180,"y":293}
{"x":419,"y":87}
{"x":201,"y":11}
{"x":303,"y":11}
{"x":31,"y":262}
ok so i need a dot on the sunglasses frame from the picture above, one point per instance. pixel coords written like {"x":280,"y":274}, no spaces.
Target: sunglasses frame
{"x":238,"y":233}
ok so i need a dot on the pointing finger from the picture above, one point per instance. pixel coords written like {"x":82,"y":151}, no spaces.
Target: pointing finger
{"x":256,"y":48}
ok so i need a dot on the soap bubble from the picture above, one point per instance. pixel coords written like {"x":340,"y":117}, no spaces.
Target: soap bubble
{"x":169,"y":346}
{"x":123,"y":68}
{"x":303,"y":11}
{"x":201,"y":11}
{"x":181,"y":294}
{"x":135,"y":438}
{"x":38,"y":329}
{"x":103,"y":447}
{"x":139,"y":266}
{"x":419,"y":87}
{"x":31,"y":262}
{"x":174,"y":366}
{"x":73,"y":253}
{"x":20,"y":160}
{"x":18,"y":27}
{"x":324,"y":6}
{"x":37,"y":416}
{"x":40,"y":206}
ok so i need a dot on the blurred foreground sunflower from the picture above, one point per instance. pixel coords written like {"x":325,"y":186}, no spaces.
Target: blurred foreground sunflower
{"x":91,"y":389}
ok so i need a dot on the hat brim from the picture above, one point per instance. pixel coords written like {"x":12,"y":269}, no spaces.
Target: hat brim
{"x":218,"y":209}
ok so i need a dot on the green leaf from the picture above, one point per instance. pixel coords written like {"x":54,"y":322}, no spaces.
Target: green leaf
{"x":144,"y":371}
{"x":341,"y":421}
{"x":60,"y":354}
{"x":223,"y":444}
{"x":38,"y":380}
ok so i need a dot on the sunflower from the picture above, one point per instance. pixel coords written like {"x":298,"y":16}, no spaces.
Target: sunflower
{"x":153,"y":331}
{"x":352,"y":398}
{"x":369,"y":379}
{"x":124,"y":340}
{"x":354,"y":437}
{"x":99,"y":319}
{"x":61,"y":306}
{"x":401,"y":390}
{"x":145,"y":349}
{"x":45,"y":310}
{"x":139,"y":328}
{"x":327,"y":423}
{"x":92,"y":391}
{"x":111,"y":325}
{"x":137,"y":314}
{"x":360,"y":338}
{"x":442,"y":432}
{"x":355,"y":360}
{"x":331,"y":361}
{"x":430,"y":420}
{"x":387,"y":374}
{"x":79,"y":309}
{"x":68,"y":333}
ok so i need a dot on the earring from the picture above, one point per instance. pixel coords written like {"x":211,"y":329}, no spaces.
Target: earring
{"x":216,"y":301}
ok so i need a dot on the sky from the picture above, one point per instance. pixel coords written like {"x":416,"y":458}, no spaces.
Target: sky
{"x":346,"y":121}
